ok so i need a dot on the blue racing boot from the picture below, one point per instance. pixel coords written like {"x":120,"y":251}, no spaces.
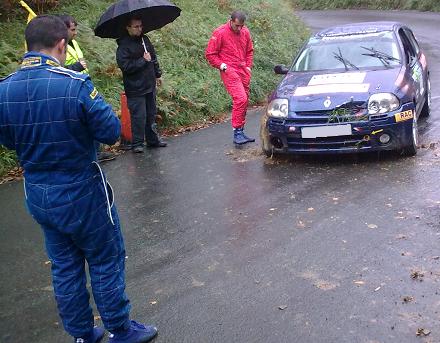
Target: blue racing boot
{"x":249,"y":139}
{"x":239,"y":137}
{"x":136,"y":333}
{"x":96,"y":337}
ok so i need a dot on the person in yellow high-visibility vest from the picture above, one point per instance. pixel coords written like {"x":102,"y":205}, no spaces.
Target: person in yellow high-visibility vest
{"x":75,"y":61}
{"x":74,"y":57}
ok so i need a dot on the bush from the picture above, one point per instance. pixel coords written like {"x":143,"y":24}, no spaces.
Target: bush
{"x":8,"y":160}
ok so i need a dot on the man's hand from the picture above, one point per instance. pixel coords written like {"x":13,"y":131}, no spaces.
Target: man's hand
{"x":223,"y":67}
{"x":159,"y":82}
{"x":83,"y":63}
{"x":147,"y":56}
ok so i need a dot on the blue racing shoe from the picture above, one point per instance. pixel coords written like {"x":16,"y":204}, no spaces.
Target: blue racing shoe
{"x":249,"y":139}
{"x":96,"y":337}
{"x":239,"y":137}
{"x":136,"y":333}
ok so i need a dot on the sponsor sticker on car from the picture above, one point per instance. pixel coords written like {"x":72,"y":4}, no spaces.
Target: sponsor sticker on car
{"x":332,"y":88}
{"x":402,"y":116}
{"x":325,"y":79}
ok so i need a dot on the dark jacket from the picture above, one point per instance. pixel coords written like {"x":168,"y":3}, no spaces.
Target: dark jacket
{"x":139,"y":75}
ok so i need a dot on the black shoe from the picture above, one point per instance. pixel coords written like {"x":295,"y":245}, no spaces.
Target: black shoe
{"x":125,"y":147}
{"x":159,"y":144}
{"x":105,"y":156}
{"x":138,"y":149}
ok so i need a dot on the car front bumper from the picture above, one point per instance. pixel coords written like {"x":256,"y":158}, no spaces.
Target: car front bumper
{"x":285,"y":135}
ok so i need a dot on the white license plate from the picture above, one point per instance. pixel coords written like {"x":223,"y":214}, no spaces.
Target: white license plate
{"x":326,"y":131}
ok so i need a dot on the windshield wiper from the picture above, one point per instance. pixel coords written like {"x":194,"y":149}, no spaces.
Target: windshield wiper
{"x":382,"y":56}
{"x":344,"y":60}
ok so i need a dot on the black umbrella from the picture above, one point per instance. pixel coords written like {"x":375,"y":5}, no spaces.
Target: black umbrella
{"x":154,"y":14}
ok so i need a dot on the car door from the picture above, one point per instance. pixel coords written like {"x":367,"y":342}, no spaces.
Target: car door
{"x":414,"y":65}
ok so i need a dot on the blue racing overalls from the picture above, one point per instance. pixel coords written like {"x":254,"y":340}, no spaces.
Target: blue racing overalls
{"x":51,"y":117}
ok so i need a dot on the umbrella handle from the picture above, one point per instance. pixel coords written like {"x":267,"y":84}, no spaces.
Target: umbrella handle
{"x":143,"y":44}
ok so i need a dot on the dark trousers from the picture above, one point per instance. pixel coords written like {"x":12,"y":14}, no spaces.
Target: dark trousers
{"x":143,"y":119}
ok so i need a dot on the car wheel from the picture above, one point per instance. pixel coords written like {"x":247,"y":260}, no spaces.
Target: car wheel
{"x":266,"y":147}
{"x":411,"y":148}
{"x":427,"y":106}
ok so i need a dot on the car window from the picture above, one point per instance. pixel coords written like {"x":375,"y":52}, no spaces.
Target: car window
{"x":412,"y":40}
{"x":410,"y":52}
{"x":363,"y":51}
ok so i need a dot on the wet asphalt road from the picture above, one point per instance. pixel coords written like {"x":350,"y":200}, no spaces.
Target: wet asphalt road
{"x":224,"y":245}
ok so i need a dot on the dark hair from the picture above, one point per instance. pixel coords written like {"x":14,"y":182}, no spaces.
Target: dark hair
{"x":68,"y":19}
{"x":240,"y":15}
{"x":133,"y":17}
{"x":44,"y":32}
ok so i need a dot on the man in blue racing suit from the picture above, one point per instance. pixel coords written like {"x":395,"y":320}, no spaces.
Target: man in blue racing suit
{"x":51,"y":117}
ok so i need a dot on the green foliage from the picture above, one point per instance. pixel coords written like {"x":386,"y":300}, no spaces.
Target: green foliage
{"x":421,"y":5}
{"x":192,"y":90}
{"x":8,"y":160}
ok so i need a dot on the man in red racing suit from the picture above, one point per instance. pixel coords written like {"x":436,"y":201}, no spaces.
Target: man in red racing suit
{"x":230,"y":50}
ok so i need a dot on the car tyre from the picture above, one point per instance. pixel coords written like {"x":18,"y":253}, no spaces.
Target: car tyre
{"x":411,"y":148}
{"x":266,"y":147}
{"x":427,"y":105}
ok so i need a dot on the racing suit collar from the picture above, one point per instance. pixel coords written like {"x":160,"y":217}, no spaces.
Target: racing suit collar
{"x":36,"y":59}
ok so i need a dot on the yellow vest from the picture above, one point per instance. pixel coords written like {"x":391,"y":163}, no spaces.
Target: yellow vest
{"x":73,"y":55}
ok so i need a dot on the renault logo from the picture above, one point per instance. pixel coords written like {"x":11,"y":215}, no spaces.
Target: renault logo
{"x":327,"y":103}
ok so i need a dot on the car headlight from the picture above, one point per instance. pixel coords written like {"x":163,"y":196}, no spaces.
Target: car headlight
{"x":382,"y":103}
{"x":278,"y":108}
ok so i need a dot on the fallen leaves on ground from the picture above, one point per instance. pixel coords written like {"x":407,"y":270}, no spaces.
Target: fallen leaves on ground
{"x":417,"y":275}
{"x":300,"y":224}
{"x":325,"y":285}
{"x":13,"y":175}
{"x":422,"y":332}
{"x":359,"y":282}
{"x":407,"y":299}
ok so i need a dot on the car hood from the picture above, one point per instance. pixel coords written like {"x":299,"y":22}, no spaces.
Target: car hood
{"x":322,"y":92}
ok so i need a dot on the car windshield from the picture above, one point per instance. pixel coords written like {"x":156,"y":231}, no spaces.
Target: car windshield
{"x":349,"y":52}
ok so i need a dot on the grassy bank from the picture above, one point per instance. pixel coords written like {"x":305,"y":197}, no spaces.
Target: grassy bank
{"x":421,"y":5}
{"x":192,"y":91}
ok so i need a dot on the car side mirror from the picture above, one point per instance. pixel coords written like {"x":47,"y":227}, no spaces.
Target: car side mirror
{"x":280,"y":69}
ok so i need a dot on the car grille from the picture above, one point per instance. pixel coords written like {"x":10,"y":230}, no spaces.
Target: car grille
{"x":350,"y":112}
{"x":328,"y":143}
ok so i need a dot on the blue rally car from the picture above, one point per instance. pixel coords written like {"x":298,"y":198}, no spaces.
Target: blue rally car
{"x":351,"y":88}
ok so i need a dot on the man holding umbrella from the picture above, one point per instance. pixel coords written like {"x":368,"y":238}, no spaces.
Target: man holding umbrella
{"x":137,"y":60}
{"x":128,"y":21}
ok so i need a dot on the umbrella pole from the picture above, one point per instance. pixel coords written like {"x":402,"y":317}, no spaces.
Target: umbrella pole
{"x":143,"y":44}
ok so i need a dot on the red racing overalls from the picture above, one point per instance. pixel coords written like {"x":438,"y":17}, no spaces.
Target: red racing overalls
{"x":236,"y":51}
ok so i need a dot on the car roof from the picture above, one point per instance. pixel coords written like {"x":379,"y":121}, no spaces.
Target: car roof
{"x":359,"y":28}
